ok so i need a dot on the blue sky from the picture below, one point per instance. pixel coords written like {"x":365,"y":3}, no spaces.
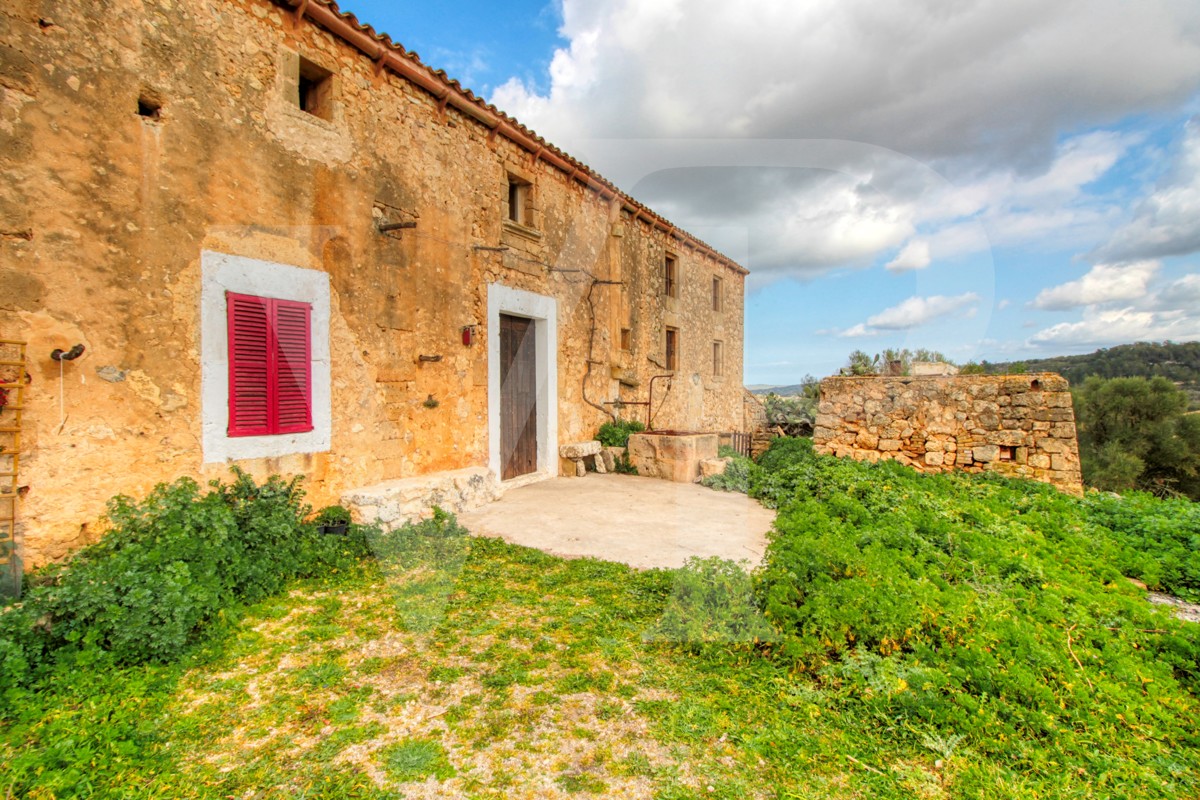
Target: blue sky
{"x":999,"y":179}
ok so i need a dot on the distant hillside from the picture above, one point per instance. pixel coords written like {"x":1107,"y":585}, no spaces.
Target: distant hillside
{"x":1176,"y":362}
{"x":783,"y":391}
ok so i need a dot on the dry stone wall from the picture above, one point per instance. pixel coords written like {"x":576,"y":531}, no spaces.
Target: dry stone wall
{"x":1017,"y":425}
{"x":137,"y":135}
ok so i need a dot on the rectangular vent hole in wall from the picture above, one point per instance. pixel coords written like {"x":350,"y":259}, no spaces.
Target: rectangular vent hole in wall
{"x":316,"y":90}
{"x":149,"y":107}
{"x":1008,"y":453}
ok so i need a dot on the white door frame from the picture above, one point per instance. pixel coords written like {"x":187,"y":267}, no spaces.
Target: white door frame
{"x":543,"y":311}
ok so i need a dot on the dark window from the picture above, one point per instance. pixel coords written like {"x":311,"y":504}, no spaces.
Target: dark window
{"x":672,"y":349}
{"x":316,"y":90}
{"x":518,"y":198}
{"x":718,"y":300}
{"x":149,"y":108}
{"x":626,"y":339}
{"x":670,"y":277}
{"x":1007,"y":452}
{"x":270,"y":365}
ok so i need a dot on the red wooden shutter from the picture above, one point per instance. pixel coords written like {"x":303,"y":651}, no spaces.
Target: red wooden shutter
{"x":293,"y":367}
{"x":270,"y":369}
{"x":249,"y":365}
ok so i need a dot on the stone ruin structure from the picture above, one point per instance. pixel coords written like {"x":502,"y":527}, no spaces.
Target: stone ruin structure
{"x":1017,"y":425}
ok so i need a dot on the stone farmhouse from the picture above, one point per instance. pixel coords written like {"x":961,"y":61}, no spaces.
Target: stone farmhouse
{"x":284,"y":242}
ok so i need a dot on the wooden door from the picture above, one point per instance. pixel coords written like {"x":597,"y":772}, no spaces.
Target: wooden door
{"x":518,"y":397}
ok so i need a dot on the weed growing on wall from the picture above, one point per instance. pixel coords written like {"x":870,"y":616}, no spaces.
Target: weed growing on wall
{"x":616,"y":434}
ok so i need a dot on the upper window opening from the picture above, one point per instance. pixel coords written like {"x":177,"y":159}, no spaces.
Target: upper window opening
{"x":717,"y":299}
{"x":316,"y":90}
{"x":518,"y":201}
{"x":718,"y":355}
{"x":626,"y":339}
{"x":672,"y":349}
{"x":670,"y":276}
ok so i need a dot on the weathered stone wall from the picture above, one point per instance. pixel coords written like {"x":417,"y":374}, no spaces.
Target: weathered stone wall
{"x":1018,"y":425}
{"x":105,"y":212}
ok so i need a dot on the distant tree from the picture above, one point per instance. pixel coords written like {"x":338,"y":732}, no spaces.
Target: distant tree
{"x":891,"y":361}
{"x":1136,"y":433}
{"x":797,"y":412}
{"x":861,"y":364}
{"x":972,"y":368}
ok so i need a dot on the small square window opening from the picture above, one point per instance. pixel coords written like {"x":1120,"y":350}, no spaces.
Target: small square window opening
{"x":316,"y":90}
{"x":717,"y":298}
{"x":670,"y":277}
{"x":149,"y":108}
{"x":1008,"y":453}
{"x":672,"y":349}
{"x":518,"y":201}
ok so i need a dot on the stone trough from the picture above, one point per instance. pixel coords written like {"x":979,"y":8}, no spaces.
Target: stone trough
{"x":672,"y":455}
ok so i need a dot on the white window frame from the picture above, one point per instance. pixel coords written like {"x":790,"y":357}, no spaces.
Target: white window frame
{"x":221,"y":273}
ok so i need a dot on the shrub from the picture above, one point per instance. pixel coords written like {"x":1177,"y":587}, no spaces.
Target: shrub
{"x":995,"y":607}
{"x":167,"y":564}
{"x":616,"y":434}
{"x":713,"y":601}
{"x":735,"y":478}
{"x":331,"y":515}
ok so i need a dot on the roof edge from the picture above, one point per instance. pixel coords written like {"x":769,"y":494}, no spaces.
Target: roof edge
{"x":385,"y":53}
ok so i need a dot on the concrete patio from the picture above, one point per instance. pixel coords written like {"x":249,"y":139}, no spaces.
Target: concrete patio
{"x":643,"y":522}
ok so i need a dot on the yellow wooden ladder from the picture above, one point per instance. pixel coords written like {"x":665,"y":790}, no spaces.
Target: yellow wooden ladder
{"x":14,"y":385}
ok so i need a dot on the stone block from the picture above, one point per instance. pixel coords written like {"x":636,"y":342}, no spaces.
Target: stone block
{"x":1039,"y":461}
{"x":713,"y":466}
{"x":610,"y":456}
{"x":935,"y":459}
{"x":986,"y":453}
{"x":887,"y":445}
{"x":866,"y":441}
{"x":392,"y":503}
{"x":576,"y":450}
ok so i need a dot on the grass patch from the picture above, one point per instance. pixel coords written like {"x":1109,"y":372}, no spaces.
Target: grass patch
{"x":946,"y":638}
{"x":415,"y":760}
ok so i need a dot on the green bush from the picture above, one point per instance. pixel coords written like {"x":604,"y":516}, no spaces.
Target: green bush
{"x":168,"y":564}
{"x":713,"y":602}
{"x":735,"y":478}
{"x":616,"y":434}
{"x":993,"y":608}
{"x":1158,"y":540}
{"x":332,"y":515}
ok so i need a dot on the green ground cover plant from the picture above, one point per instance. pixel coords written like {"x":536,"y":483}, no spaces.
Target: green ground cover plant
{"x":907,"y":636}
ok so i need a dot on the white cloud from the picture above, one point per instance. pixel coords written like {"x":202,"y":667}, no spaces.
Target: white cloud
{"x":1167,"y":222}
{"x":1103,"y":327}
{"x":859,"y":331}
{"x":927,"y":79}
{"x":1181,"y":294}
{"x":917,"y":311}
{"x":915,"y":255}
{"x":1104,"y":283}
{"x":979,"y":91}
